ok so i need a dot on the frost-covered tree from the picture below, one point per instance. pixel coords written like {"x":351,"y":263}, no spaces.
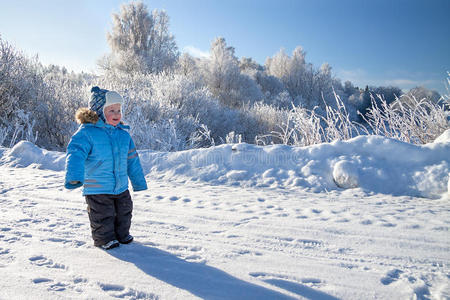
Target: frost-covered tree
{"x":423,"y":93}
{"x":140,"y":42}
{"x":349,"y":88}
{"x":187,"y":65}
{"x":247,"y":63}
{"x":223,"y":76}
{"x":222,"y":71}
{"x":307,"y":85}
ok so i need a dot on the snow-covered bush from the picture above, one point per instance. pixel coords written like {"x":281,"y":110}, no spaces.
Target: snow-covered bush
{"x":23,"y":128}
{"x":170,"y":103}
{"x":304,"y":127}
{"x":409,"y":120}
{"x":19,"y":82}
{"x":338,"y":124}
{"x":4,"y":132}
{"x":63,"y":93}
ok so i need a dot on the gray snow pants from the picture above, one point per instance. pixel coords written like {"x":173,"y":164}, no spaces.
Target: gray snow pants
{"x":110,"y":216}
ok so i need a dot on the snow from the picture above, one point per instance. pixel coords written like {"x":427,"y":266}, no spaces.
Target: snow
{"x":372,"y":163}
{"x":364,"y":218}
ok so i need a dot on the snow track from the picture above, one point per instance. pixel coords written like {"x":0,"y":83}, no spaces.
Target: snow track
{"x":221,"y":242}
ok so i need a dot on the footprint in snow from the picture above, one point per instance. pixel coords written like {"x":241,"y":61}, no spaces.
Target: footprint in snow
{"x":43,"y":261}
{"x":391,"y":276}
{"x":72,"y":243}
{"x":283,"y":215}
{"x":286,"y":239}
{"x":302,"y":217}
{"x":75,"y":284}
{"x":58,"y":287}
{"x":366,"y":222}
{"x":308,"y":244}
{"x":119,"y":291}
{"x":6,"y":256}
{"x":41,"y":280}
{"x":388,"y":224}
{"x":344,"y":220}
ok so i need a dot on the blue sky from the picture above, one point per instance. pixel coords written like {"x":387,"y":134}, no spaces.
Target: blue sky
{"x":378,"y":42}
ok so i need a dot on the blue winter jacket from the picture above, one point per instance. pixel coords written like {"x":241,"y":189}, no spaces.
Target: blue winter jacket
{"x":102,"y":158}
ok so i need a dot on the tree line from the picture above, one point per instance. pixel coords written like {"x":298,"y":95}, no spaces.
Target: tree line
{"x":176,"y":101}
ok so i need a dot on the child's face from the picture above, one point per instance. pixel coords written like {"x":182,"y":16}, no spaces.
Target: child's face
{"x":113,"y":114}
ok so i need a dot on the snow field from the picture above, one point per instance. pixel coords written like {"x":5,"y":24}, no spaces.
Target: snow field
{"x":363,"y":219}
{"x":223,"y":242}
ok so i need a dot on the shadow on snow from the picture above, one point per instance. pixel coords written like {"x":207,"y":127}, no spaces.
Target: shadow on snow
{"x":199,"y":279}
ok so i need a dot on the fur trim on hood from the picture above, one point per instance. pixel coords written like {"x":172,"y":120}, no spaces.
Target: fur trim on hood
{"x":85,"y":115}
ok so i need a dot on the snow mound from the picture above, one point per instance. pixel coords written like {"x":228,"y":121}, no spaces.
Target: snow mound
{"x":26,"y":154}
{"x":374,"y":164}
{"x":443,"y":138}
{"x":371,"y":163}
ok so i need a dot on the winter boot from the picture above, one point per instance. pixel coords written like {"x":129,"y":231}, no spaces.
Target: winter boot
{"x":127,"y":240}
{"x":110,"y":245}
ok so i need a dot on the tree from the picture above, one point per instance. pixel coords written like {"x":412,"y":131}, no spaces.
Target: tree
{"x":247,"y":63}
{"x":224,"y":79}
{"x":307,"y":85}
{"x":140,"y":42}
{"x":349,"y":88}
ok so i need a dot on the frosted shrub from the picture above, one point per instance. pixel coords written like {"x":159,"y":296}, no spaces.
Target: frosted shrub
{"x":233,"y":138}
{"x":19,"y":82}
{"x":46,"y":96}
{"x":58,"y":99}
{"x":4,"y":132}
{"x":190,"y":99}
{"x":162,"y":110}
{"x":338,"y":124}
{"x":408,"y":119}
{"x":267,"y":119}
{"x":165,"y":134}
{"x":23,"y":128}
{"x":201,"y":138}
{"x":303,"y":127}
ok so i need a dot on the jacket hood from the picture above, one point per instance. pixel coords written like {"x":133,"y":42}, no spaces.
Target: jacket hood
{"x":84,"y":115}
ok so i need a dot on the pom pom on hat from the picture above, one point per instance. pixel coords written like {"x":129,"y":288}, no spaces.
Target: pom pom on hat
{"x":95,"y":89}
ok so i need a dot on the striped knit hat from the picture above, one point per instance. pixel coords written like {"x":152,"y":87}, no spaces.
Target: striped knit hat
{"x":101,"y":98}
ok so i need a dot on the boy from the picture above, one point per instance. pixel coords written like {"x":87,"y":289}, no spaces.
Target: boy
{"x":101,"y":156}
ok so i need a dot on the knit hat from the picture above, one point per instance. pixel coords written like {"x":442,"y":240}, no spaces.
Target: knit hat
{"x":101,"y":98}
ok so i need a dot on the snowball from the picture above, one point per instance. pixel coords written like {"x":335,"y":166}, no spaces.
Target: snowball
{"x":431,"y":181}
{"x":345,"y":174}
